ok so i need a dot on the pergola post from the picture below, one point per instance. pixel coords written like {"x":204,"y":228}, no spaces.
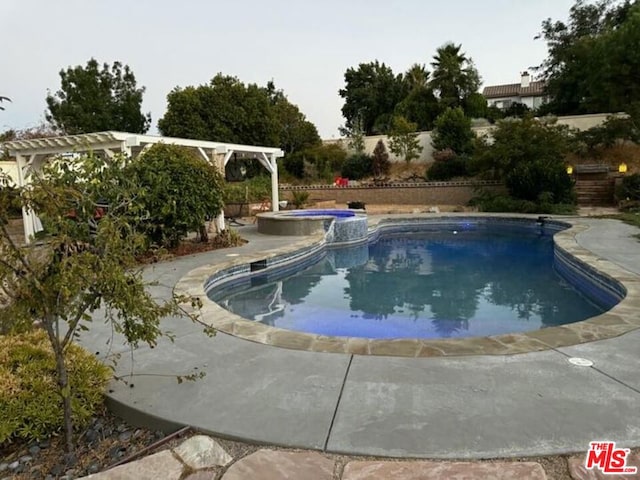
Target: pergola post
{"x":27,"y":215}
{"x":275,"y":205}
{"x":219,"y":157}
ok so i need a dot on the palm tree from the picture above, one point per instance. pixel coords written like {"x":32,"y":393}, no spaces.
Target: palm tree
{"x":417,"y":76}
{"x":454,"y":75}
{"x":4,"y":99}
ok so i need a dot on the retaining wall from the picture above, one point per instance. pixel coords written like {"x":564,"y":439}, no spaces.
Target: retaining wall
{"x":430,"y":193}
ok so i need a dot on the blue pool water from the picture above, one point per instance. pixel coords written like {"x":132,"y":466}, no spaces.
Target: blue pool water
{"x":476,"y":281}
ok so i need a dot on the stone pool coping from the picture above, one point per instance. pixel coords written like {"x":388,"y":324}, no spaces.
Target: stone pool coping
{"x":621,"y":319}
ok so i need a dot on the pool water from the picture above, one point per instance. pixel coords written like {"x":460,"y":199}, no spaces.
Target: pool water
{"x":479,"y":281}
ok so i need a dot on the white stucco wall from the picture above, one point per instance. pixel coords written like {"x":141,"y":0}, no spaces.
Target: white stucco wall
{"x":581,"y":122}
{"x":11,"y":169}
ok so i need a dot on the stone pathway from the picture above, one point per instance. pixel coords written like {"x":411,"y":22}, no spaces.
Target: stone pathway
{"x":202,"y":458}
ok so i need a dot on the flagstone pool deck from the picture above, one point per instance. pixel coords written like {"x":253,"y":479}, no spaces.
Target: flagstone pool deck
{"x":457,"y":405}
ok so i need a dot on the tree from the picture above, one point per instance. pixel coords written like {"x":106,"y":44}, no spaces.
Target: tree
{"x":593,"y":59}
{"x":3,"y":99}
{"x":417,"y":77}
{"x":475,"y":105}
{"x":87,"y":262}
{"x":380,"y":163}
{"x":224,"y":110}
{"x":371,"y":94}
{"x":420,"y":105}
{"x":294,"y":131}
{"x":454,"y":75}
{"x":403,"y":141}
{"x":178,"y":192}
{"x":93,"y":99}
{"x":517,"y":109}
{"x":355,"y":136}
{"x":453,"y":131}
{"x":227,"y":110}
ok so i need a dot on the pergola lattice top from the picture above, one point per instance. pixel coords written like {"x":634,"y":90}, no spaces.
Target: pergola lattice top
{"x":124,"y":141}
{"x":31,"y":154}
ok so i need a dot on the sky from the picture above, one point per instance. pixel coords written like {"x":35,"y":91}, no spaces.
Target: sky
{"x":304,"y":46}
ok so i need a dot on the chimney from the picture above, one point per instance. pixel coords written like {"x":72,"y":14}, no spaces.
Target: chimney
{"x":525,"y":80}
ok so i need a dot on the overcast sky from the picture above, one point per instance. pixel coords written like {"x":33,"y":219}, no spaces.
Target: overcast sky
{"x":304,"y":46}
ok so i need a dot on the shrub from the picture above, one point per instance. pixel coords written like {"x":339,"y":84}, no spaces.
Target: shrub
{"x":178,"y":192}
{"x":30,"y":403}
{"x":521,"y":141}
{"x":294,"y":164}
{"x":318,"y":161}
{"x":403,"y":139}
{"x":447,"y":165}
{"x":357,"y":166}
{"x":529,"y":156}
{"x":255,"y":189}
{"x":9,"y":197}
{"x":380,"y":164}
{"x":299,"y":198}
{"x":527,"y":180}
{"x":502,"y":203}
{"x":629,"y":188}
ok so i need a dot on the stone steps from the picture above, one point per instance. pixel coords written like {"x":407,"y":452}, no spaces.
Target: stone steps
{"x":595,"y":192}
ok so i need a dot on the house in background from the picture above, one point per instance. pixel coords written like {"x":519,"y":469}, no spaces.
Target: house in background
{"x":531,"y":93}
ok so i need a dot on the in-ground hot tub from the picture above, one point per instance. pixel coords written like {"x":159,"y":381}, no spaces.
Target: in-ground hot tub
{"x":339,"y":226}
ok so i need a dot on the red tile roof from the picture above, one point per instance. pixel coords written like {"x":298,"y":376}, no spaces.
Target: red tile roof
{"x":535,"y":89}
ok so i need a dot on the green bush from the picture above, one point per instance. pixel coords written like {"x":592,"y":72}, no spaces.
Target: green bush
{"x":503,"y":203}
{"x":380,"y":163}
{"x":357,"y":166}
{"x":299,"y":198}
{"x":529,"y":156}
{"x":30,"y":404}
{"x":527,"y":180}
{"x":629,"y":188}
{"x":314,"y":163}
{"x":10,"y":201}
{"x":294,"y":164}
{"x":447,"y":166}
{"x":253,"y":190}
{"x":179,"y":191}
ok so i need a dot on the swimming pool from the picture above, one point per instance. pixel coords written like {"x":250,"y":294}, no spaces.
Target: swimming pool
{"x":461,"y":279}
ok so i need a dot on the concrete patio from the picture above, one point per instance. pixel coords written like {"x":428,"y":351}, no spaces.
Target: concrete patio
{"x":467,"y":407}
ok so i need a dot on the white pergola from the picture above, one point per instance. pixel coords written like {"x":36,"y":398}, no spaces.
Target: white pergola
{"x":30,"y":155}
